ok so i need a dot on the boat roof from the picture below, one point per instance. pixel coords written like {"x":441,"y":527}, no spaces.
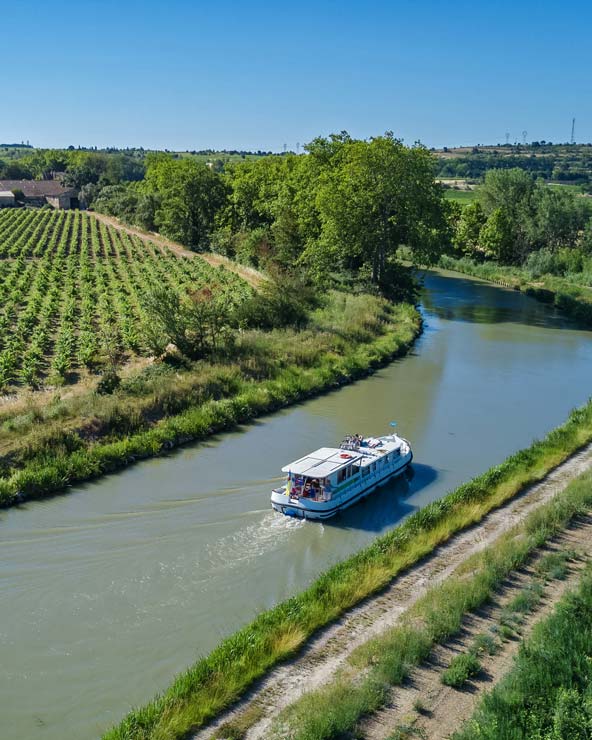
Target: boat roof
{"x":327,"y":460}
{"x":322,"y":462}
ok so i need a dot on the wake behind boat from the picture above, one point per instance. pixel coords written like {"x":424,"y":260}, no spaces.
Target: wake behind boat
{"x":332,"y":478}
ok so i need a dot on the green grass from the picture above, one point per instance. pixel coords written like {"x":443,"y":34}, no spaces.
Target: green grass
{"x":485,"y":644}
{"x":460,"y":196}
{"x":215,"y":681}
{"x":554,"y":565}
{"x":461,"y":668}
{"x":548,"y":692}
{"x":385,"y":661}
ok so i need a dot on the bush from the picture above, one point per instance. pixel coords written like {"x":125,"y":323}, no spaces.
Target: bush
{"x":283,"y":301}
{"x":461,"y":668}
{"x":108,"y":382}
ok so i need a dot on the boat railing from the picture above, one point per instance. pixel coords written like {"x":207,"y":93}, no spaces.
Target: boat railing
{"x":350,"y":443}
{"x":321,"y":493}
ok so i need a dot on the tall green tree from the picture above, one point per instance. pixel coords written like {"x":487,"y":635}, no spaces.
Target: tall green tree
{"x":497,"y":238}
{"x":467,"y":228}
{"x":373,"y":197}
{"x":189,"y":195}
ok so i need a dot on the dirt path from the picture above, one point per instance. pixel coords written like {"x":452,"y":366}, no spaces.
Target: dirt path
{"x":329,"y":649}
{"x":444,"y":709}
{"x":249,"y":274}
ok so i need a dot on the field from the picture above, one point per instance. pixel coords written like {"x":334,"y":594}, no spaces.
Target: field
{"x":460,"y":196}
{"x":73,"y":302}
{"x":72,"y":293}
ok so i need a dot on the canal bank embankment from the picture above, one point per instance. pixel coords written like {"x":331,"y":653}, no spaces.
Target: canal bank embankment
{"x":277,"y":634}
{"x":57,"y":458}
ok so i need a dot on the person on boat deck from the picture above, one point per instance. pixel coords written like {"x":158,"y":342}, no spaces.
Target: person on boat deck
{"x":311,"y":488}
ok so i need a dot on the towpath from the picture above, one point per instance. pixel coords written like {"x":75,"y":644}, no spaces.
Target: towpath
{"x":330,"y":648}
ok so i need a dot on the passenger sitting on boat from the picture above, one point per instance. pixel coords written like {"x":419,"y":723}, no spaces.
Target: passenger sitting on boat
{"x":310,"y":489}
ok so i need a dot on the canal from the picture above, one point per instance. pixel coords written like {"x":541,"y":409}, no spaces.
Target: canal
{"x":107,"y":592}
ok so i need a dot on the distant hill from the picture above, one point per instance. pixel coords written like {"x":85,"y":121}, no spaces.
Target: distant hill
{"x":564,"y":163}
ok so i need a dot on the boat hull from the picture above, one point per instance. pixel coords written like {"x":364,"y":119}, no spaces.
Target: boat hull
{"x":307,"y":509}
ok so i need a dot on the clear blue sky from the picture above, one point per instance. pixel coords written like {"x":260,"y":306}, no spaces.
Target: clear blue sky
{"x":191,"y":75}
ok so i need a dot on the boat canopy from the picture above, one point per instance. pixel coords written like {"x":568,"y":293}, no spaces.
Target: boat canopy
{"x":322,"y":463}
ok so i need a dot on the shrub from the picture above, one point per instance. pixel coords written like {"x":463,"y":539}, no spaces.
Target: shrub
{"x":461,"y":668}
{"x":108,"y":382}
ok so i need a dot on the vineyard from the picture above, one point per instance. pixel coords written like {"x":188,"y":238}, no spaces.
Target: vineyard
{"x":72,"y":292}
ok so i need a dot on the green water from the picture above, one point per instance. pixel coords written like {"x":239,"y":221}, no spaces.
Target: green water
{"x":109,"y":591}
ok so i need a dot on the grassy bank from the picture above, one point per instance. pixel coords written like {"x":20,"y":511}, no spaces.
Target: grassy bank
{"x":47,"y":446}
{"x":572,"y":299}
{"x":386,"y":661}
{"x":548,"y":692}
{"x":215,"y":681}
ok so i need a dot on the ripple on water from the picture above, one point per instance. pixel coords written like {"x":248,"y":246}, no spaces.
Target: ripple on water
{"x":252,"y":540}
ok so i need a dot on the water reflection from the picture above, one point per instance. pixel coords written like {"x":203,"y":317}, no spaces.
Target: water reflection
{"x":455,"y":298}
{"x":389,"y":506}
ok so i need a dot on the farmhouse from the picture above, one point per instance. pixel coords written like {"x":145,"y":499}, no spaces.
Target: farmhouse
{"x":40,"y":192}
{"x":7,"y":198}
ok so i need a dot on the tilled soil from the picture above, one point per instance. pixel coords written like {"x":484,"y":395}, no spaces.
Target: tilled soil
{"x":435,"y":711}
{"x":328,"y":650}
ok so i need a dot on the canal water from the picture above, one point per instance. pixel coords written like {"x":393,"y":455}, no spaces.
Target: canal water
{"x":108,"y":592}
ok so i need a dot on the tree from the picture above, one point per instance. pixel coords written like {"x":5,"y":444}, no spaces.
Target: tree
{"x":496,"y":237}
{"x":586,"y":238}
{"x":189,"y":197}
{"x":374,"y":196}
{"x":197,"y":322}
{"x":468,"y":228}
{"x":511,"y":191}
{"x":557,"y":218}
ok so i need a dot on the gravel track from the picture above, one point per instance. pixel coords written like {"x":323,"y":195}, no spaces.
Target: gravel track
{"x":323,"y":655}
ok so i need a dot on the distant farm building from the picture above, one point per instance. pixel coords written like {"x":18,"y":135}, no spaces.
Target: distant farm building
{"x":7,"y":198}
{"x":40,"y":193}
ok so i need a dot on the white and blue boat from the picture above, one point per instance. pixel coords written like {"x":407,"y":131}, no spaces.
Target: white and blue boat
{"x":331,"y":479}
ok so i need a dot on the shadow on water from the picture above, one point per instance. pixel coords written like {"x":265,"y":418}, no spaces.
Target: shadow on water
{"x":455,"y":298}
{"x":386,"y":507}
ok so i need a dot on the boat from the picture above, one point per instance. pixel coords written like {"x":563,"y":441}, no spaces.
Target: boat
{"x":331,"y":479}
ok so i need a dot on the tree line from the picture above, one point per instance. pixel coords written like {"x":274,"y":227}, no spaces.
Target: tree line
{"x":340,"y":210}
{"x":518,"y":220}
{"x":561,"y":163}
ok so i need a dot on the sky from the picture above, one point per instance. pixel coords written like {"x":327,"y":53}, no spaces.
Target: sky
{"x":180,"y":75}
